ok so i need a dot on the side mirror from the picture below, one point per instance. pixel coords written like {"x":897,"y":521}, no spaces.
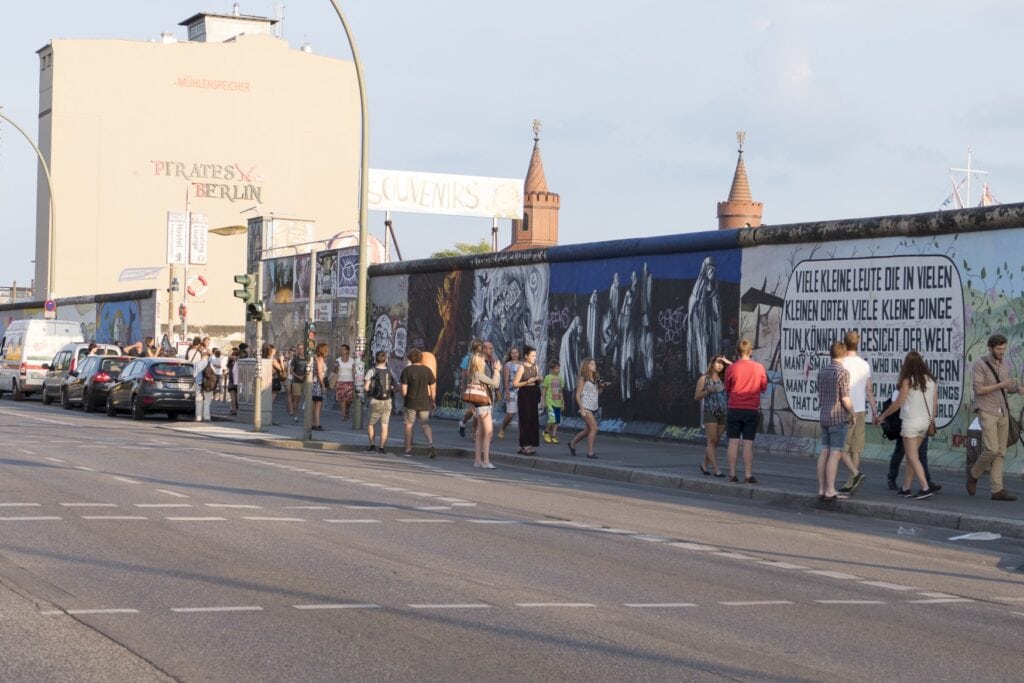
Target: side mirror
{"x":46,"y":366}
{"x":73,"y":373}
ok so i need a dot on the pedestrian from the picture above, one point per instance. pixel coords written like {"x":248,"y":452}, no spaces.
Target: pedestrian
{"x":588,"y":392}
{"x":991,"y":380}
{"x":379,"y":387}
{"x":745,"y":380}
{"x":217,"y":363}
{"x":149,"y":349}
{"x":836,"y":416}
{"x":270,"y":352}
{"x":862,"y":394}
{"x":236,"y":356}
{"x":478,"y":374}
{"x":553,"y":401}
{"x":418,"y":385}
{"x":469,"y":412}
{"x":527,"y":381}
{"x":711,"y":391}
{"x":508,"y":374}
{"x":917,"y":403}
{"x":206,"y":385}
{"x":194,"y":352}
{"x":297,"y":372}
{"x":899,"y":452}
{"x":345,"y":384}
{"x":317,"y":389}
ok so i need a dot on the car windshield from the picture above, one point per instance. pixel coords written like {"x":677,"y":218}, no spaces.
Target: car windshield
{"x":113,"y":367}
{"x":171,"y":370}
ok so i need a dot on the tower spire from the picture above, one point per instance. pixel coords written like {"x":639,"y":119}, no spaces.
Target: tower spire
{"x":539,"y":224}
{"x":740,"y":210}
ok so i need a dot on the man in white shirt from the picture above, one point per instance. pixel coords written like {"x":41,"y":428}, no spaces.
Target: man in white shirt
{"x":862,"y":394}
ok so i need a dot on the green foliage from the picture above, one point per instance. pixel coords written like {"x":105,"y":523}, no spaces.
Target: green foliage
{"x":464,"y":248}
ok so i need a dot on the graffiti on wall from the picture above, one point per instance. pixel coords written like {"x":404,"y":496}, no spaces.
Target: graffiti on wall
{"x":118,"y":322}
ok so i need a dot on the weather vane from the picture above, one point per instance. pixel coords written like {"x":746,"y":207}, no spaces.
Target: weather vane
{"x":536,"y":130}
{"x":741,"y":135}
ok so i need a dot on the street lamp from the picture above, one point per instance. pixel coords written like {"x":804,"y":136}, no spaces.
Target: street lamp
{"x":357,"y":409}
{"x":53,"y":206}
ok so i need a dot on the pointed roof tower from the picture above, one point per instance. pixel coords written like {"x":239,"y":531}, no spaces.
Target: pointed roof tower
{"x":539,"y":225}
{"x":740,"y":211}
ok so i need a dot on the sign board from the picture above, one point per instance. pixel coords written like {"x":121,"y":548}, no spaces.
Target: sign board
{"x":177,"y":238}
{"x":450,"y":195}
{"x":322,"y":312}
{"x":198,"y":238}
{"x":132,"y":274}
{"x":50,"y":309}
{"x":287,"y":232}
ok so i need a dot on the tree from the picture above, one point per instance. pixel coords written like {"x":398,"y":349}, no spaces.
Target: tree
{"x":464,"y":248}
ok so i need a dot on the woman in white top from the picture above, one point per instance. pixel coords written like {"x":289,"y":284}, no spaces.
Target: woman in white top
{"x":345,"y":384}
{"x":588,"y":389}
{"x":917,"y":402}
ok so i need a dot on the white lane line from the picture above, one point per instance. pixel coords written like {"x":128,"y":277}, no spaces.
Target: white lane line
{"x":613,"y":530}
{"x":102,"y":611}
{"x":89,"y":505}
{"x":51,"y":612}
{"x":28,"y":519}
{"x":555,"y":604}
{"x":399,"y":489}
{"x":566,"y":522}
{"x":55,"y":459}
{"x":1010,"y":599}
{"x":734,"y":556}
{"x":120,"y":518}
{"x":275,"y":519}
{"x":172,"y":493}
{"x":493,"y":521}
{"x":84,"y":468}
{"x":659,"y":604}
{"x":433,"y":508}
{"x":1019,"y":614}
{"x":163,"y":505}
{"x":338,"y":606}
{"x":755,"y":603}
{"x":241,"y":608}
{"x":232,"y":506}
{"x":306,"y":507}
{"x":196,"y":519}
{"x":373,"y":485}
{"x":851,"y":602}
{"x":834,"y":575}
{"x":418,"y":494}
{"x":126,"y":480}
{"x":938,"y":601}
{"x":464,"y":505}
{"x":470,"y":605}
{"x":352,"y":521}
{"x":889,"y":586}
{"x":370,"y":507}
{"x":415,"y":520}
{"x":22,"y":450}
{"x":446,"y":500}
{"x":782,"y":565}
{"x":938,"y":595}
{"x":19,"y":505}
{"x":651,"y":539}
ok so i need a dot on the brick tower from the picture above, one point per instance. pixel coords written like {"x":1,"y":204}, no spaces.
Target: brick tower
{"x":539,"y":226}
{"x":740,"y":211}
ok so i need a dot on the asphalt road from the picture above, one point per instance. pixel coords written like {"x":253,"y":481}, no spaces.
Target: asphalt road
{"x":131,"y":551}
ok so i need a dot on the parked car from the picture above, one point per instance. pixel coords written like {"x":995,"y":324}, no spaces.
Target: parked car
{"x":150,"y":385}
{"x":26,"y":346}
{"x":65,"y":362}
{"x":88,"y":385}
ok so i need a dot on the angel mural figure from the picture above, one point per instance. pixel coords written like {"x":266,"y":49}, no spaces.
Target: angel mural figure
{"x":646,"y":352}
{"x":593,"y":318}
{"x":703,"y":321}
{"x":609,"y":323}
{"x":627,"y":349}
{"x":571,"y":352}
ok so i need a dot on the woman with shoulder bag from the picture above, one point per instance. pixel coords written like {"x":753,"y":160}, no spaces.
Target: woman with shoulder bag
{"x":484,"y":426}
{"x":917,"y":402}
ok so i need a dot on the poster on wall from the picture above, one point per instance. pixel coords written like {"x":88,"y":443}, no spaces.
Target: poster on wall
{"x":303,"y":267}
{"x":348,"y":273}
{"x":284,"y":280}
{"x":326,"y":274}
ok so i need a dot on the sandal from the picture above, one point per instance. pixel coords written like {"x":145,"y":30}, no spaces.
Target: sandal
{"x":719,"y":474}
{"x":704,"y":471}
{"x":572,"y":449}
{"x":592,"y":456}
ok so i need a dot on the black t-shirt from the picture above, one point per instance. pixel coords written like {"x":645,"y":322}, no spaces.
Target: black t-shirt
{"x":417,"y":379}
{"x":298,"y":369}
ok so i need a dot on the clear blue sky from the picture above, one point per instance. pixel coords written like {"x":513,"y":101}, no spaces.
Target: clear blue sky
{"x":851,"y":109}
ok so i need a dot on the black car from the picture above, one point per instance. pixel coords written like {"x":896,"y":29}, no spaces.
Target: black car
{"x":151,"y":385}
{"x":88,"y":384}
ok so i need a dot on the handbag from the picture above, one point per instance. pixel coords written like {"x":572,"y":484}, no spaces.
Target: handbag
{"x":476,"y":394}
{"x":332,"y":380}
{"x":931,"y":420}
{"x":1013,"y":433}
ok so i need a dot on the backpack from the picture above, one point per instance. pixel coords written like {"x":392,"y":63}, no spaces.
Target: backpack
{"x":891,"y":425}
{"x":381,"y":385}
{"x":209,"y":378}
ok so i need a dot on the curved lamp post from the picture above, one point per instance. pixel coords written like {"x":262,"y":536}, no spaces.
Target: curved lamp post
{"x":361,"y":293}
{"x":53,"y":207}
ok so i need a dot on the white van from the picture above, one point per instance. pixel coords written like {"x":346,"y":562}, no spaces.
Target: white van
{"x":25,"y":346}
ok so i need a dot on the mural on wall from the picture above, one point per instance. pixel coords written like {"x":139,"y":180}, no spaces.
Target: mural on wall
{"x":942,"y":296}
{"x":118,"y":322}
{"x":509,"y":308}
{"x":326,"y":274}
{"x":282,"y":279}
{"x":388,"y":323}
{"x":347,"y":269}
{"x":303,"y":273}
{"x":121,"y":321}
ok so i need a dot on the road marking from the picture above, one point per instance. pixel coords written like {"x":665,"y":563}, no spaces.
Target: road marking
{"x":114,"y":517}
{"x":569,"y":523}
{"x":433,"y":508}
{"x":102,"y":611}
{"x":399,"y":489}
{"x":274,"y":519}
{"x":659,"y":604}
{"x":471,"y":605}
{"x":373,"y":485}
{"x":51,"y":612}
{"x":781,"y":565}
{"x":230,"y":505}
{"x":755,"y":603}
{"x":493,"y":521}
{"x":418,"y":494}
{"x":19,"y":505}
{"x":55,"y":459}
{"x":834,"y":575}
{"x":163,"y":505}
{"x":89,"y":505}
{"x":196,"y":519}
{"x":446,"y":500}
{"x":338,"y":606}
{"x":306,"y":507}
{"x":28,"y":519}
{"x":464,"y":505}
{"x":611,"y":530}
{"x":939,"y":595}
{"x":242,"y":608}
{"x":938,"y":601}
{"x":126,"y":480}
{"x":1010,"y":599}
{"x":22,"y":450}
{"x":370,"y":507}
{"x":733,"y":556}
{"x":851,"y":602}
{"x":172,"y":493}
{"x":352,"y":521}
{"x":889,"y":586}
{"x":84,"y":468}
{"x":417,"y":520}
{"x":555,"y":604}
{"x":651,"y":539}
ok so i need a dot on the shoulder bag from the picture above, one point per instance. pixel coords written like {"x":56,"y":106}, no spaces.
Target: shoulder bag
{"x":476,"y":394}
{"x":1013,"y":433}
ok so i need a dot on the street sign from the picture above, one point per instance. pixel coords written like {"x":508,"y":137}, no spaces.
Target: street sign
{"x":50,"y":309}
{"x":177,"y":238}
{"x":198,"y":239}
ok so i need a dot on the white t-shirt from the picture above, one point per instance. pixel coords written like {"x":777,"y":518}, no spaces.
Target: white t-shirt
{"x":860,"y":373}
{"x":346,"y":369}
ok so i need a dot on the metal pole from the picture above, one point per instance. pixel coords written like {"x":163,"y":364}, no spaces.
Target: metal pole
{"x":257,"y":398}
{"x":188,"y":257}
{"x":50,"y":270}
{"x":170,"y":306}
{"x":361,"y":294}
{"x":307,"y":389}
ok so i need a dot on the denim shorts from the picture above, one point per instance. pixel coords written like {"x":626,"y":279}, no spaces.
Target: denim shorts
{"x":834,"y":438}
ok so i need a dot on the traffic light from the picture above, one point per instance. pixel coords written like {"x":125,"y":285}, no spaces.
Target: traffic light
{"x":248,"y":293}
{"x":257,"y":311}
{"x":310,"y":330}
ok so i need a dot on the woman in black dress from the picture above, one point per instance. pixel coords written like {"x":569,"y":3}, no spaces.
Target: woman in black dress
{"x":527,"y":381}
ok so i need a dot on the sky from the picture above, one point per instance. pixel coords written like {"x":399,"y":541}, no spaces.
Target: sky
{"x":850,"y":108}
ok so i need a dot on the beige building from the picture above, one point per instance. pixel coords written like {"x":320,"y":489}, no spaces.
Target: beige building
{"x":232,"y":119}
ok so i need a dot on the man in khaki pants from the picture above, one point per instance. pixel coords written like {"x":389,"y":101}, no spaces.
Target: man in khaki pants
{"x":992,"y":385}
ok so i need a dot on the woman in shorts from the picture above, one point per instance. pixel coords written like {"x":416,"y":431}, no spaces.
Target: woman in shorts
{"x":711,"y":390}
{"x":917,"y":402}
{"x":345,"y":390}
{"x":484,"y":426}
{"x":319,"y":377}
{"x":588,"y":389}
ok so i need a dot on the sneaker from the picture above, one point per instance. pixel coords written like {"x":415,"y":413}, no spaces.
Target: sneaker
{"x":933,"y":487}
{"x":382,"y":450}
{"x":295,"y":418}
{"x":972,"y":484}
{"x":926,"y":493}
{"x":407,"y":453}
{"x":751,"y":480}
{"x":904,"y":493}
{"x":547,"y":438}
{"x":501,"y":433}
{"x":892,"y":484}
{"x":462,"y":430}
{"x":433,"y":452}
{"x":478,"y":464}
{"x":371,"y":448}
{"x":734,"y":479}
{"x":856,"y":482}
{"x":1001,"y":494}
{"x":848,"y":486}
{"x":488,"y":466}
{"x":554,"y":440}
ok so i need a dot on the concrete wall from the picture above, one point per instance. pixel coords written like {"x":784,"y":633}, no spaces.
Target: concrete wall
{"x":653,"y":310}
{"x":124,"y":317}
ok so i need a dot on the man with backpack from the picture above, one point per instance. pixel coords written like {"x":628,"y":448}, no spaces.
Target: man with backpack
{"x":379,"y":386}
{"x":206,"y":386}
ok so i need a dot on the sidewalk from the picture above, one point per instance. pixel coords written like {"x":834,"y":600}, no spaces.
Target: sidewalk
{"x":784,"y":479}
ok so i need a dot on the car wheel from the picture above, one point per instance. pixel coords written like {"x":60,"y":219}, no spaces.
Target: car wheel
{"x":172,"y":416}
{"x":16,"y":391}
{"x":47,"y":400}
{"x":138,"y":412}
{"x":111,"y":410}
{"x":87,"y":403}
{"x":65,"y":402}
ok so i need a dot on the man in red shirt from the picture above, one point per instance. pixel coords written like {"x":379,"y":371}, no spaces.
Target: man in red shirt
{"x":745,"y":380}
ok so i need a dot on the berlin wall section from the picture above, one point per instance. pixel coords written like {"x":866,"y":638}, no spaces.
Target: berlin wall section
{"x":117,"y":318}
